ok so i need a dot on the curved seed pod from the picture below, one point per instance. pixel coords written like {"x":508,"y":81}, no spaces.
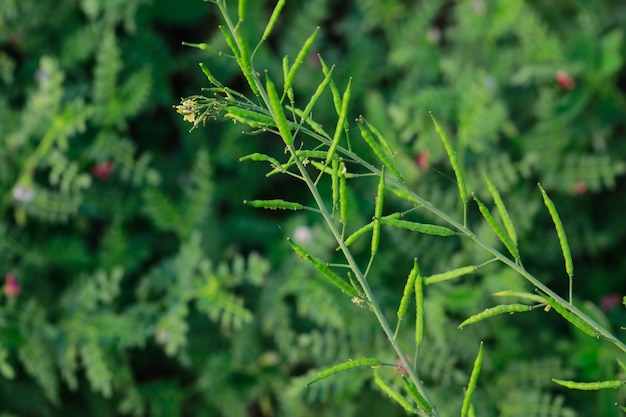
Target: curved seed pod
{"x":384,"y":158}
{"x":429,"y":229}
{"x":408,"y":289}
{"x":305,"y":153}
{"x":249,"y":117}
{"x":259,"y":157}
{"x":471,"y":386}
{"x":333,"y":86}
{"x":345,"y":366}
{"x":455,"y":273}
{"x":560,"y":231}
{"x":278,"y":113}
{"x":456,"y":167}
{"x":392,"y":394}
{"x":404,"y":195}
{"x":339,"y":129}
{"x":304,"y":115}
{"x":572,"y":318}
{"x":495,"y":226}
{"x":521,"y":295}
{"x":504,"y":213}
{"x":379,"y":136}
{"x":291,"y":75}
{"x":209,"y":75}
{"x":282,"y":167}
{"x":589,"y":386}
{"x":317,"y":128}
{"x":273,"y":18}
{"x":274,"y":204}
{"x":367,"y":228}
{"x":420,"y":401}
{"x":494,"y":311}
{"x":230,"y":42}
{"x":324,"y":270}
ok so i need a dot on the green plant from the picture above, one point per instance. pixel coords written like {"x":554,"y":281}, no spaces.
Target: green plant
{"x":334,"y":159}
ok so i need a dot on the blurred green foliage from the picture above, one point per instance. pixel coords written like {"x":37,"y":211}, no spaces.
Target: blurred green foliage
{"x":136,"y":283}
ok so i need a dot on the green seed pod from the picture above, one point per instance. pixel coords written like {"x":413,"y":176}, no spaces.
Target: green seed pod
{"x":378,"y":212}
{"x":384,"y":158}
{"x":242,"y":6}
{"x":343,"y":114}
{"x":392,"y":394}
{"x":321,"y":267}
{"x":345,"y":366}
{"x":273,"y":18}
{"x":408,"y":289}
{"x":521,"y":295}
{"x":456,"y":167}
{"x":419,"y":309}
{"x":334,"y":183}
{"x":504,"y":213}
{"x":209,"y":76}
{"x":429,"y":229}
{"x":230,"y":42}
{"x":291,"y":75}
{"x":333,"y":86}
{"x":494,"y":311}
{"x":404,"y":195}
{"x":471,"y":386}
{"x":274,"y":204}
{"x":343,"y":194}
{"x":495,"y":226}
{"x":560,"y":231}
{"x":572,"y":318}
{"x":252,"y":118}
{"x":590,"y":386}
{"x":278,"y":113}
{"x":260,"y":157}
{"x":304,"y":115}
{"x":455,"y":273}
{"x":420,"y":401}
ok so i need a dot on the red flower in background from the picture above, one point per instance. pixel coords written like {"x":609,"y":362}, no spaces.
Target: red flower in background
{"x":11,"y":286}
{"x":608,"y":302}
{"x":102,"y":170}
{"x":565,"y":80}
{"x":422,"y":160}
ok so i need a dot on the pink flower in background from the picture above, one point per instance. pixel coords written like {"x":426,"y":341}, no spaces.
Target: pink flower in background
{"x":422,"y":160}
{"x":102,"y":170}
{"x":608,"y":302}
{"x":11,"y":286}
{"x":401,"y":370}
{"x":565,"y":80}
{"x":581,"y":188}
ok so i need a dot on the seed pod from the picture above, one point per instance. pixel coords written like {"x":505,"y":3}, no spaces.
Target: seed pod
{"x":230,"y":42}
{"x":589,"y":386}
{"x":291,"y":75}
{"x":560,"y":231}
{"x":408,"y":289}
{"x":242,"y":6}
{"x":334,"y":184}
{"x":333,"y":86}
{"x":392,"y":394}
{"x":456,"y":167}
{"x":259,"y":157}
{"x":419,"y":309}
{"x":343,"y":114}
{"x":378,"y":212}
{"x":345,"y":366}
{"x":504,"y":213}
{"x":572,"y":318}
{"x":521,"y":295}
{"x":367,"y":228}
{"x":384,"y":158}
{"x":495,"y":226}
{"x":455,"y":273}
{"x":429,"y":229}
{"x":471,"y":386}
{"x":278,"y":113}
{"x":404,"y":195}
{"x":343,"y":194}
{"x":274,"y":204}
{"x":273,"y":18}
{"x":209,"y":75}
{"x":252,"y":118}
{"x":420,"y":401}
{"x":304,"y":115}
{"x":321,"y":267}
{"x":494,"y":311}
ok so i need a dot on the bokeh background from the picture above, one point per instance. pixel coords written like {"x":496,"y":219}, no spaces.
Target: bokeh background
{"x":136,"y":283}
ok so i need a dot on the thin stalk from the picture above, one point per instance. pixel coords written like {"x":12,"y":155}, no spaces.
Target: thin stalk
{"x":361,"y":278}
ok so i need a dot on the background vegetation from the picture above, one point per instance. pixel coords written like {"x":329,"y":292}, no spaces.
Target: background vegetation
{"x":137,"y":283}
